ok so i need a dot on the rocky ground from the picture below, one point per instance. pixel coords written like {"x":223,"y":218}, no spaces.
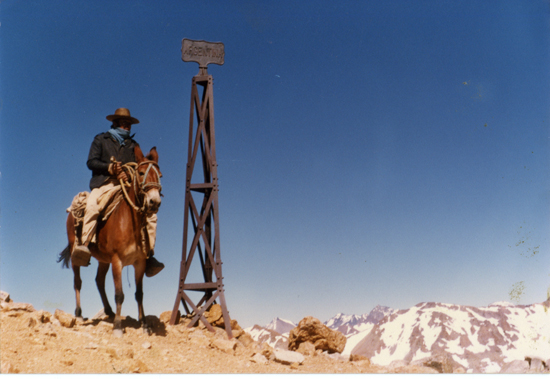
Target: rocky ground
{"x":38,"y":342}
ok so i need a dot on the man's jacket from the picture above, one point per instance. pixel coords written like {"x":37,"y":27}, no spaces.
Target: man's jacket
{"x":103,"y":148}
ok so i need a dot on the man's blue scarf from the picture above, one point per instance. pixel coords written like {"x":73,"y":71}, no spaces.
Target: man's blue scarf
{"x":119,"y":134}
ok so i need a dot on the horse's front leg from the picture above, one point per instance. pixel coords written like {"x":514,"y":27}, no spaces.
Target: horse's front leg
{"x":139,"y":269}
{"x":119,"y":295}
{"x":102,"y":270}
{"x":77,"y":287}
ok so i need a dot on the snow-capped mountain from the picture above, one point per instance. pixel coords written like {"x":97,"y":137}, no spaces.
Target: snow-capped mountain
{"x":481,"y":340}
{"x":275,"y":334}
{"x":378,"y":313}
{"x":355,"y":327}
{"x":272,"y":338}
{"x":350,"y":325}
{"x":281,"y":326}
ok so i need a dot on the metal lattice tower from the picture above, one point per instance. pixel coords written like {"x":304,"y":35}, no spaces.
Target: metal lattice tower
{"x":201,"y":229}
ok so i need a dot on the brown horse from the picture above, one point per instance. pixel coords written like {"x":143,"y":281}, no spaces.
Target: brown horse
{"x":119,"y":239}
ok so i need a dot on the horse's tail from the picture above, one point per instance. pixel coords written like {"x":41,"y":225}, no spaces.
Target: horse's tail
{"x":65,"y":257}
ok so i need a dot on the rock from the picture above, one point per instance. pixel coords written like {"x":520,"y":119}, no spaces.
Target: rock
{"x":18,"y":307}
{"x":306,"y":348}
{"x":287,"y":357}
{"x":236,"y":329}
{"x":166,"y":316}
{"x":146,"y":345}
{"x":224,"y":345}
{"x":536,"y":365}
{"x":215,"y":316}
{"x":246,"y":339}
{"x":443,"y":363}
{"x":43,"y":316}
{"x":220,"y":333}
{"x":312,"y":330}
{"x":64,"y":318}
{"x":515,"y":367}
{"x":267,"y":351}
{"x":259,"y":358}
{"x":4,"y":296}
{"x":237,"y":333}
{"x":100,"y":315}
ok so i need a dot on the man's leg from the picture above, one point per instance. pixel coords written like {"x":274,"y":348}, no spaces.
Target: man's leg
{"x":81,"y":254}
{"x":153,"y":266}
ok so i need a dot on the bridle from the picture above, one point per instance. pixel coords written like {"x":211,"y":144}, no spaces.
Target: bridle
{"x":140,"y":188}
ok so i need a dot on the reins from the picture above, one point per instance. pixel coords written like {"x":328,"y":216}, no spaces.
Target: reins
{"x":139,"y":187}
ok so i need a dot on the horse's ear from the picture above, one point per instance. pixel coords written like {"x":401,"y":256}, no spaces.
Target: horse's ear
{"x":153,"y":155}
{"x":139,"y":154}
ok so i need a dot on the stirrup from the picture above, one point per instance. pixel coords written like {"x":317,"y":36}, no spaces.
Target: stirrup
{"x":81,"y":256}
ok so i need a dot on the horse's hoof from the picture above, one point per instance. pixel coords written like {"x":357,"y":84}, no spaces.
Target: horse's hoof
{"x":147,"y":330}
{"x":117,"y":333}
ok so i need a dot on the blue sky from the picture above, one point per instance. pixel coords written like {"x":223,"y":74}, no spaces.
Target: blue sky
{"x":369,"y":152}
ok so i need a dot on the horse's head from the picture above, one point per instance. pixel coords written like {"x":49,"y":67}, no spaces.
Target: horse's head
{"x":148,"y":177}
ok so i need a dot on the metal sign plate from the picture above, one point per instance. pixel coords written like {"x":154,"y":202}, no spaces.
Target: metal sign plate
{"x":202,"y":52}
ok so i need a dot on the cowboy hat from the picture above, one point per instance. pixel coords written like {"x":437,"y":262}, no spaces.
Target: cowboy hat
{"x":122,"y":113}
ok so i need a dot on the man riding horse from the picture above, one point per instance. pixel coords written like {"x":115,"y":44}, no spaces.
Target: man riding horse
{"x":106,"y":174}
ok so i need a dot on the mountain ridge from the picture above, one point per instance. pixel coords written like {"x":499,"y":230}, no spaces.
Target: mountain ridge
{"x":474,"y":339}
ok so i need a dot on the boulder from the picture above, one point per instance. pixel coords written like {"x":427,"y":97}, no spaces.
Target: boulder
{"x":65,"y":319}
{"x":18,"y":307}
{"x":4,"y":296}
{"x":214,"y":315}
{"x":287,"y":357}
{"x":312,"y":330}
{"x":443,"y":363}
{"x":306,"y":348}
{"x":166,"y":316}
{"x":515,"y":367}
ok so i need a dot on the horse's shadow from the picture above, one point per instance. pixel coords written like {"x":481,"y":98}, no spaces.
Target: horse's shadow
{"x":156,"y":326}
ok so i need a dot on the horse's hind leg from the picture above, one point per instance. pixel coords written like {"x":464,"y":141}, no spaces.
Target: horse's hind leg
{"x":139,"y":269}
{"x":77,"y":287}
{"x":102,"y":270}
{"x":119,"y":296}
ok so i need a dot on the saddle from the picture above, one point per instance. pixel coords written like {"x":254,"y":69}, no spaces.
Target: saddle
{"x":107,"y":202}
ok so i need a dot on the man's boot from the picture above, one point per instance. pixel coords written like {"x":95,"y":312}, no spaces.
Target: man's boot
{"x":81,"y":255}
{"x":152,"y":266}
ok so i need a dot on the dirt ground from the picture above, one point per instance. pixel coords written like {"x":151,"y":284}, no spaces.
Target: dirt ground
{"x":36,"y":342}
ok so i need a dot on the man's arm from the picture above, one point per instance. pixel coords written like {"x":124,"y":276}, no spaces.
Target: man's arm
{"x":94,"y":162}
